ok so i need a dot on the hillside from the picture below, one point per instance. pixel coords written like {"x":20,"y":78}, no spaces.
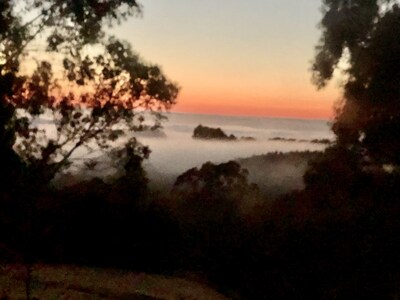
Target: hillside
{"x":278,"y":173}
{"x":68,"y":282}
{"x":275,"y":173}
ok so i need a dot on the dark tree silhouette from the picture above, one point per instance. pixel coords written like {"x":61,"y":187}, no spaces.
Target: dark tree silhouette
{"x":91,"y":91}
{"x":213,"y":182}
{"x":214,"y":193}
{"x":338,"y":236}
{"x":88,"y":89}
{"x":209,"y":133}
{"x":365,"y":36}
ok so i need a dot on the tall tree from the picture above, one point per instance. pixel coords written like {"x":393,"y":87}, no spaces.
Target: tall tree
{"x":88,"y":88}
{"x":95,"y":90}
{"x":363,"y":36}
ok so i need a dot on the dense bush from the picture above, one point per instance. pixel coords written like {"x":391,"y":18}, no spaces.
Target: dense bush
{"x":209,"y":133}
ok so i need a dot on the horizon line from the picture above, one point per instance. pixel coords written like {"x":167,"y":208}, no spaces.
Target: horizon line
{"x":250,"y":116}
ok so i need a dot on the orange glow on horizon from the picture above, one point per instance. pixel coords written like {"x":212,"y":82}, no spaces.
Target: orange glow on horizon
{"x":303,"y":107}
{"x":275,"y":112}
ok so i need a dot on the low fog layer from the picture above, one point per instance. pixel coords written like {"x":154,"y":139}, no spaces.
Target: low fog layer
{"x":173,"y":150}
{"x":178,"y":151}
{"x":277,"y":173}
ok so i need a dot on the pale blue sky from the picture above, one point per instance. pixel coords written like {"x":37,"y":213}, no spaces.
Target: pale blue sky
{"x":235,"y":57}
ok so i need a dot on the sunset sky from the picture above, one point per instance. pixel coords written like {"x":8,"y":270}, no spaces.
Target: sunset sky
{"x":235,"y":57}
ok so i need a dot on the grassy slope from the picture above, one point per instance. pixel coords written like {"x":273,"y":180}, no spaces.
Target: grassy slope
{"x":67,"y":282}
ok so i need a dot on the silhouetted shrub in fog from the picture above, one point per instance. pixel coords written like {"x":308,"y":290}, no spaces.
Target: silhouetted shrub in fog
{"x":209,"y":133}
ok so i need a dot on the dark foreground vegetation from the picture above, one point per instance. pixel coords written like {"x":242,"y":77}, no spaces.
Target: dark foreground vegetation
{"x":337,"y":237}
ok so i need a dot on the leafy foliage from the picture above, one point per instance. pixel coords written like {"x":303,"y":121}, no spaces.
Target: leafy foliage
{"x":204,"y":132}
{"x":364,"y":35}
{"x":215,"y":191}
{"x":95,"y":90}
{"x":89,"y":90}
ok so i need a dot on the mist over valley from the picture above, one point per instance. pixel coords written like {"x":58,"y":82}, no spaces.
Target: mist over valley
{"x":174,"y":150}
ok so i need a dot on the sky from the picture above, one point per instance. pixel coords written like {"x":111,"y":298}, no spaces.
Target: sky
{"x":235,"y":57}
